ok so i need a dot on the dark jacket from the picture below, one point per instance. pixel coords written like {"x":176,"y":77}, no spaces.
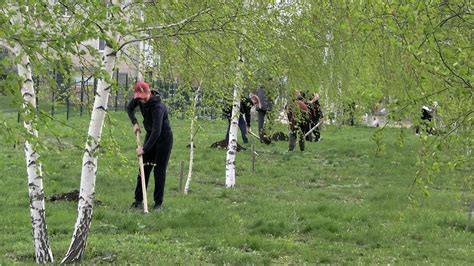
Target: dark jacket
{"x":315,"y":112}
{"x":426,"y":113}
{"x":245,"y":107}
{"x":155,"y":120}
{"x":265,"y":103}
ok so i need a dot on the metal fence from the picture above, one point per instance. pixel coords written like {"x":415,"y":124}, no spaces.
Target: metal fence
{"x":74,"y":96}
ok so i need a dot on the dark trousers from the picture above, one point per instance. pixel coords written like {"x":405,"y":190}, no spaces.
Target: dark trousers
{"x":261,"y":122}
{"x":243,"y":129}
{"x":295,"y":134}
{"x":156,"y":159}
{"x":425,"y":126}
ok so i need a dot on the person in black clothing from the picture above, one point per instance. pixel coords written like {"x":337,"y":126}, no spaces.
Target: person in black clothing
{"x":158,"y":140}
{"x":263,"y":105}
{"x":244,"y":123}
{"x":426,"y":120}
{"x":316,"y":115}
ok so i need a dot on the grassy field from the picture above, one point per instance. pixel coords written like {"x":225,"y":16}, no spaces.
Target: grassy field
{"x":335,"y":203}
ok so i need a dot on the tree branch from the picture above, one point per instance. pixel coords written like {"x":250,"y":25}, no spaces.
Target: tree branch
{"x":458,"y":124}
{"x":466,"y":82}
{"x":175,"y":34}
{"x":180,"y":23}
{"x":3,"y":43}
{"x":74,"y":13}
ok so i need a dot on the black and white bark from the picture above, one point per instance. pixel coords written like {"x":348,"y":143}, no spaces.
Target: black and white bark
{"x":43,"y":253}
{"x":90,"y":156}
{"x":232,"y":145}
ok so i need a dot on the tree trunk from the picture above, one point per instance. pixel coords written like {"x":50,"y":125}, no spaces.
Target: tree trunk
{"x":232,"y":145}
{"x":192,"y":133}
{"x":43,"y":253}
{"x":89,"y":161}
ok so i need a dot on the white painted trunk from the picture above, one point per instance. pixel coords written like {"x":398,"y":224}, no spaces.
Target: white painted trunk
{"x":192,"y":133}
{"x":232,"y":145}
{"x":43,"y":253}
{"x":89,"y":162}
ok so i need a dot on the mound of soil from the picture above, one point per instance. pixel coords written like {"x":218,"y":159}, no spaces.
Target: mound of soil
{"x":69,"y":196}
{"x":222,"y":144}
{"x":279,"y":136}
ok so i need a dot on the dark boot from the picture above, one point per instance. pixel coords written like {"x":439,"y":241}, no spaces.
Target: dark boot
{"x":137,"y":205}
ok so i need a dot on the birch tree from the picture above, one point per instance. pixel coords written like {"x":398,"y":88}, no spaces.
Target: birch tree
{"x":192,"y":134}
{"x":135,"y":33}
{"x":43,"y":253}
{"x":90,"y":157}
{"x":232,"y":145}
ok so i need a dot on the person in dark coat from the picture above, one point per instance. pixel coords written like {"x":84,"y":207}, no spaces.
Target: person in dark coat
{"x":158,"y":140}
{"x":298,"y":121}
{"x":244,"y":118}
{"x":263,"y":105}
{"x":426,"y":119}
{"x":316,"y":115}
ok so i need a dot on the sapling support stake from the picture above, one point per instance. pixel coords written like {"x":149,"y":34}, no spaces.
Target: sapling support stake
{"x":253,"y":157}
{"x":181,"y":172}
{"x":469,"y":215}
{"x":142,"y":176}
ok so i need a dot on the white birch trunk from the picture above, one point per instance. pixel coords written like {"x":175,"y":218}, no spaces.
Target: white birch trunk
{"x":43,"y":253}
{"x":192,"y":133}
{"x":89,"y":161}
{"x":232,"y":145}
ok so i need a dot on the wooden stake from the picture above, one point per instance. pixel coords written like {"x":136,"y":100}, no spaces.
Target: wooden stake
{"x":253,"y":158}
{"x":142,"y":176}
{"x":469,"y":215}
{"x":181,"y":173}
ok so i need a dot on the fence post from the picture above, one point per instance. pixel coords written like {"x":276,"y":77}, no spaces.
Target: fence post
{"x":117,"y":91}
{"x":52,"y":94}
{"x":67,"y":97}
{"x":125,"y":93}
{"x":82,"y":91}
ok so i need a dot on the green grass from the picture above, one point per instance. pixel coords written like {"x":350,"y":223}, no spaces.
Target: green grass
{"x":335,"y":203}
